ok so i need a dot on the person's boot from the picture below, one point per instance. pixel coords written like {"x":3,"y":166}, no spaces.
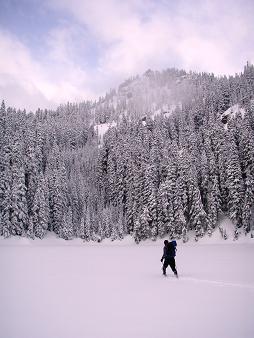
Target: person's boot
{"x":176,"y":274}
{"x":164,"y":272}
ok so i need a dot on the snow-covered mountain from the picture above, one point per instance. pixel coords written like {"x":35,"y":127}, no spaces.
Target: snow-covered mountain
{"x":147,"y":95}
{"x":166,"y":154}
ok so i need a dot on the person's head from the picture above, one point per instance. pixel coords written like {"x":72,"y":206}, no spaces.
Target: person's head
{"x":166,"y":242}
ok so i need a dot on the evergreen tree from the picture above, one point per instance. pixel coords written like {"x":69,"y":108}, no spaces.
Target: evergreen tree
{"x":88,"y":226}
{"x":58,"y":192}
{"x":30,"y":230}
{"x":164,"y":205}
{"x":145,"y":221}
{"x":66,"y":227}
{"x":234,"y":181}
{"x":106,"y":224}
{"x":2,"y":125}
{"x":184,"y":235}
{"x":40,"y":211}
{"x":19,"y":209}
{"x":213,"y":202}
{"x":31,"y":169}
{"x":138,"y":233}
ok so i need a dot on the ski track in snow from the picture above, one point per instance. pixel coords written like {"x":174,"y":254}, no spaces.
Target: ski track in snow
{"x":216,"y":282}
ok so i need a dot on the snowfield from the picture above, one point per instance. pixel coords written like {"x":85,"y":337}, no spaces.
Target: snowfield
{"x":58,"y":289}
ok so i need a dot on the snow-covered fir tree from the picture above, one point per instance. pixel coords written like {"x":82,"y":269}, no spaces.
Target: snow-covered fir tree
{"x":19,"y":207}
{"x":40,"y":210}
{"x":66,"y":227}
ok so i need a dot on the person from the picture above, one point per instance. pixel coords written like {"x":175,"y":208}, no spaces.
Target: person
{"x":169,"y":252}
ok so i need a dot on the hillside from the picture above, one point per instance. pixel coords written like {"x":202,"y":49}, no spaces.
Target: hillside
{"x":166,"y":154}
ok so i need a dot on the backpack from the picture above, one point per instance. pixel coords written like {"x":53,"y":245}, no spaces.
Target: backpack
{"x":171,"y":249}
{"x":175,"y":245}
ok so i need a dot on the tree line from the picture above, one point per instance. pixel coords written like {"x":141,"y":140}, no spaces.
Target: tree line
{"x":154,"y":175}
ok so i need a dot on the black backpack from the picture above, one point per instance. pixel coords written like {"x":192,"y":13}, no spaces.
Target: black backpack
{"x":171,"y":249}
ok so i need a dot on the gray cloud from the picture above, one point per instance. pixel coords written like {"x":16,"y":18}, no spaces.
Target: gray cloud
{"x":131,"y":37}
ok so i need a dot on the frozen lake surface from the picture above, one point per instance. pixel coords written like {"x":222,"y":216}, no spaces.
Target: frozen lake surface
{"x":53,"y":289}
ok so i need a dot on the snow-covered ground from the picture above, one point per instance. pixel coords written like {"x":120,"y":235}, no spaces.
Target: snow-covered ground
{"x":59,"y":289}
{"x":102,"y":128}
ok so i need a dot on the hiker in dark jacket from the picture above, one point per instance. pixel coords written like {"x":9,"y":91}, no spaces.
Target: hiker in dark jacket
{"x":169,"y":252}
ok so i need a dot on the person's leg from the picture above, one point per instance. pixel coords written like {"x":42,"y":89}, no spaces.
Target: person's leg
{"x":172,"y":264}
{"x":165,"y":265}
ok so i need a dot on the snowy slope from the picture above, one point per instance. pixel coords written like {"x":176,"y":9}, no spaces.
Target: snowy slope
{"x":150,"y":94}
{"x":70,"y":289}
{"x":102,"y":128}
{"x":232,"y":112}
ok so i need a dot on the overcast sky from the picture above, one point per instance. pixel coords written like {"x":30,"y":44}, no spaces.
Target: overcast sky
{"x":54,"y":51}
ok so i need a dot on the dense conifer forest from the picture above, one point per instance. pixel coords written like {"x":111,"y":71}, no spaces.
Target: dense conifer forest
{"x":175,"y":155}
